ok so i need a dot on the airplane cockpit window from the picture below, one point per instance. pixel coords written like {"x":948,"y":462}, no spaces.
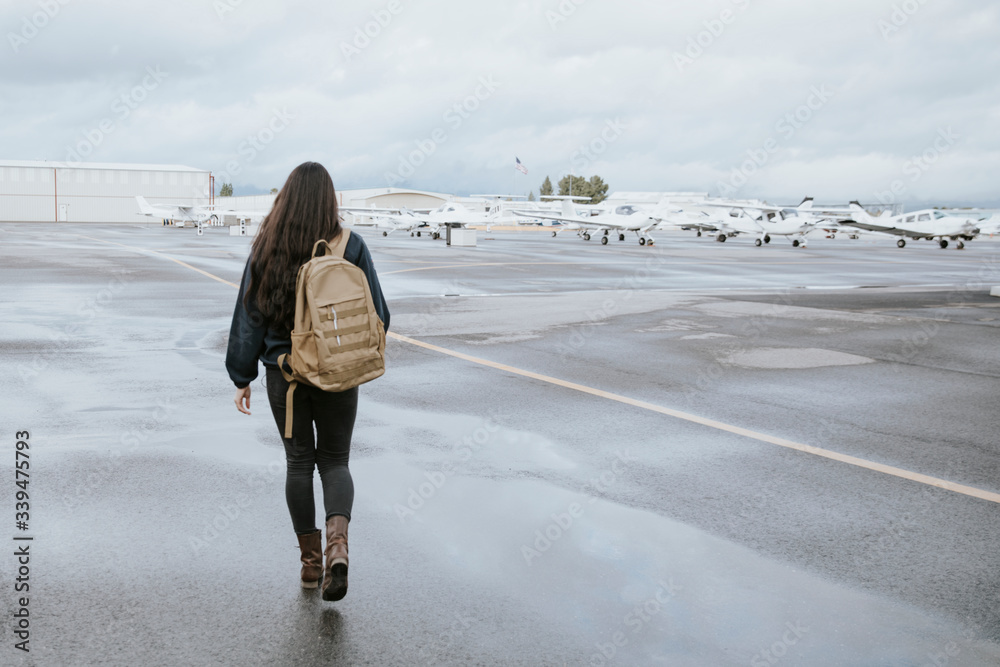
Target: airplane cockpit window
{"x":924,"y":217}
{"x":625,"y":210}
{"x":910,"y":218}
{"x":938,"y":215}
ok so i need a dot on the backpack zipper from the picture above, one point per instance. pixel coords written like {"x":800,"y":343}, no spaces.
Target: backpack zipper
{"x":334,"y":310}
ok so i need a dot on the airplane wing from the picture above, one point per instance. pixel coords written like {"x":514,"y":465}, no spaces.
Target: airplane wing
{"x":547,"y":216}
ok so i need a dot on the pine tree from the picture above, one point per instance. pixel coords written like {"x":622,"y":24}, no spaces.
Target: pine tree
{"x":226,"y":190}
{"x":531,"y":196}
{"x":546,"y":188}
{"x":598,"y":190}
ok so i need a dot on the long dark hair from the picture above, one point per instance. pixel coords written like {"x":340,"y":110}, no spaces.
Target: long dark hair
{"x":304,"y":212}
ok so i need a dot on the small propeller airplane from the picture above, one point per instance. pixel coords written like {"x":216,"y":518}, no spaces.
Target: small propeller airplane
{"x":624,"y":218}
{"x":927,"y":224}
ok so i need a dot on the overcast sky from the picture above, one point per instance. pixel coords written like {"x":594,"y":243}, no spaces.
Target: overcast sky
{"x":757,"y":98}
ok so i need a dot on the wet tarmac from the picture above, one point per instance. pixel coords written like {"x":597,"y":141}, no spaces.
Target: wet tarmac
{"x":680,"y":517}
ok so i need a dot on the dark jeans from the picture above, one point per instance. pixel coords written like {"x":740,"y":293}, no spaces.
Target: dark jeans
{"x":329,"y":450}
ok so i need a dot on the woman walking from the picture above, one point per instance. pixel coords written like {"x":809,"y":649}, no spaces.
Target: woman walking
{"x":304,"y":212}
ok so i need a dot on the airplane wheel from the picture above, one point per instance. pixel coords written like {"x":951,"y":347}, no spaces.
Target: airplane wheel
{"x":586,"y":237}
{"x":385,"y":233}
{"x":606,"y":232}
{"x":721,"y":238}
{"x":553,"y":234}
{"x":795,"y":243}
{"x":604,"y":240}
{"x":767,"y":238}
{"x":621,"y":237}
{"x":411,"y":235}
{"x":961,"y":245}
{"x":944,"y":243}
{"x":699,"y":233}
{"x":758,"y":242}
{"x":901,"y":243}
{"x":418,"y":235}
{"x":649,"y":241}
{"x":642,"y":241}
{"x":436,"y":236}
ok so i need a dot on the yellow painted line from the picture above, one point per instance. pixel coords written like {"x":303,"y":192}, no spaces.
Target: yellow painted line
{"x":711,"y":423}
{"x":156,"y":252}
{"x":652,"y":407}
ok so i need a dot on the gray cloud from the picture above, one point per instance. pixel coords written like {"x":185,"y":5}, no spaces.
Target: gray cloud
{"x":362,"y":103}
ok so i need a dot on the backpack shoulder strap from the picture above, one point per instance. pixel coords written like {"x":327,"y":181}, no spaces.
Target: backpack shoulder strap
{"x":338,"y":248}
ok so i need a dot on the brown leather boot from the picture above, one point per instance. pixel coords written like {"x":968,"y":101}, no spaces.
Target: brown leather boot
{"x":311,"y":546}
{"x":335,"y":573}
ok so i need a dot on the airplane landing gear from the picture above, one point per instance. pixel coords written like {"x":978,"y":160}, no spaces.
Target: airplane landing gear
{"x":385,"y":233}
{"x":435,"y":236}
{"x":767,"y":238}
{"x":418,"y":235}
{"x":901,"y":243}
{"x":944,"y":243}
{"x":699,"y":232}
{"x":604,"y":240}
{"x":642,"y":241}
{"x":758,"y":242}
{"x":554,"y":234}
{"x":586,"y":237}
{"x":961,"y":245}
{"x":796,"y":243}
{"x":621,"y":237}
{"x":721,"y":238}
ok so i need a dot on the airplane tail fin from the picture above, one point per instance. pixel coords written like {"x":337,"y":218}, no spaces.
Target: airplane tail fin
{"x":859,"y":213}
{"x":144,"y":206}
{"x":806,"y":204}
{"x":567,"y":208}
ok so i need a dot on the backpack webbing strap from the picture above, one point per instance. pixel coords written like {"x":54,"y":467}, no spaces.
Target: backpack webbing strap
{"x":338,"y":248}
{"x":289,"y":397}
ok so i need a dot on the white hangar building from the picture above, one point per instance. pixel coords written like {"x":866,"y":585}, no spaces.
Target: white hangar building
{"x":41,"y":191}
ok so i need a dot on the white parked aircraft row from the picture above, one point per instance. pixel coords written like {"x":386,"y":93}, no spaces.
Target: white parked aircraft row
{"x":199,"y":215}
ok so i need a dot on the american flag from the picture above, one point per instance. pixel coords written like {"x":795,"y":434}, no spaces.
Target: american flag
{"x":520,"y":167}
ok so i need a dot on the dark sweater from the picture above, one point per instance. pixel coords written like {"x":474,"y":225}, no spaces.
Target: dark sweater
{"x":252,"y":338}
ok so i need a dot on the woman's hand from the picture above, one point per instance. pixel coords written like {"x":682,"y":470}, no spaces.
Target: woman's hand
{"x":243,"y":397}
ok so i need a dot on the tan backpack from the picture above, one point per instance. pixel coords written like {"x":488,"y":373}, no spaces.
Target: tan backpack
{"x":338,"y":340}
